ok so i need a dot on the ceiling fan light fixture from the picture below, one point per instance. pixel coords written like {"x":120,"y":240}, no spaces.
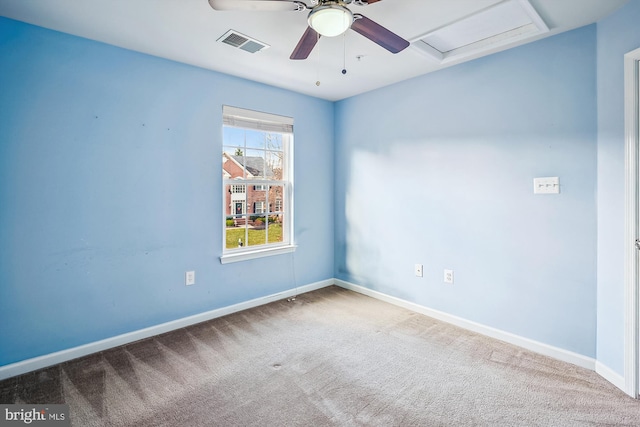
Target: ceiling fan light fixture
{"x":330,"y":20}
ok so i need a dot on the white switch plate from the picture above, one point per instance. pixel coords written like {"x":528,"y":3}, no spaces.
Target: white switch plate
{"x":190,"y":278}
{"x":418,"y":270}
{"x":448,"y":276}
{"x":548,"y":185}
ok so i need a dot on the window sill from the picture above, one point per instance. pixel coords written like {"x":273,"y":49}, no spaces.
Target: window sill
{"x":259,"y":253}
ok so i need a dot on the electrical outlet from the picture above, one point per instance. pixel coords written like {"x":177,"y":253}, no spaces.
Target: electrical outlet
{"x":418,"y":270}
{"x":548,"y":185}
{"x":448,"y":276}
{"x":190,"y":278}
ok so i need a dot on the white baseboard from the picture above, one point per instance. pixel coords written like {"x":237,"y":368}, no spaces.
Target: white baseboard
{"x":40,"y":362}
{"x":35,"y":363}
{"x":538,"y":347}
{"x":610,"y":375}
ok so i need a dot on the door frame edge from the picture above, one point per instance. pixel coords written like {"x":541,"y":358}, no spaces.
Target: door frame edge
{"x":631,"y":119}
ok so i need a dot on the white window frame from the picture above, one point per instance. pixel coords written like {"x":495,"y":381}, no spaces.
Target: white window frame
{"x":260,"y":207}
{"x":255,"y":120}
{"x":238,"y":188}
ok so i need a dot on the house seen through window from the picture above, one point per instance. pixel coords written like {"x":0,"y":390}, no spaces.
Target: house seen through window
{"x":257,"y":182}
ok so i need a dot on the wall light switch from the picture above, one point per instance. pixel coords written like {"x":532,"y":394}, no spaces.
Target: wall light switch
{"x":190,"y":278}
{"x":548,"y":185}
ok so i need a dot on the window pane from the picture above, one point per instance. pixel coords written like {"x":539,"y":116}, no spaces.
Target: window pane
{"x":233,"y":136}
{"x":254,"y":139}
{"x":235,"y":232}
{"x":273,"y":141}
{"x":256,"y":200}
{"x":257,"y":230}
{"x":275,"y":198}
{"x":274,"y":160}
{"x":275,"y":228}
{"x":235,"y":200}
{"x":255,"y":165}
{"x":232,"y":164}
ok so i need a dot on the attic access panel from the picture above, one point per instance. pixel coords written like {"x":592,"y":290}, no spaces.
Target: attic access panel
{"x":497,"y":25}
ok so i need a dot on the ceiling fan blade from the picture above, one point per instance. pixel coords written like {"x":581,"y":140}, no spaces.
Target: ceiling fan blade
{"x":257,"y":5}
{"x":305,"y":45}
{"x":378,"y":34}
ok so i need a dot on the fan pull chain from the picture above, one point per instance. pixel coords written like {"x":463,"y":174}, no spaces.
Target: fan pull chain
{"x":344,"y":53}
{"x":318,"y":69}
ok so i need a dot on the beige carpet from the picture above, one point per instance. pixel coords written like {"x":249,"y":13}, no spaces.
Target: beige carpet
{"x":330,"y":358}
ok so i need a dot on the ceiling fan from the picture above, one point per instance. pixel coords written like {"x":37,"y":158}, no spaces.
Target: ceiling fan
{"x":327,"y":18}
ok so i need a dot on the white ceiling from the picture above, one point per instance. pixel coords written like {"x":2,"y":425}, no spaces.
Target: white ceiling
{"x":187,"y":30}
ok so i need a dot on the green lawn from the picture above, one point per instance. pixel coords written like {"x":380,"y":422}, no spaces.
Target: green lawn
{"x":256,"y":237}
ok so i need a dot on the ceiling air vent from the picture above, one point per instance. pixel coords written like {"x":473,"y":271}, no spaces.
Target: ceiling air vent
{"x":495,"y":26}
{"x":235,"y":39}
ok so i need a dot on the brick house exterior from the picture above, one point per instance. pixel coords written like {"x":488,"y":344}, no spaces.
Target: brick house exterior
{"x":244,"y":200}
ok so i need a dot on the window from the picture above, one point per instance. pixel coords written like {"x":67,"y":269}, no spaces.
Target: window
{"x":259,"y":207}
{"x":257,"y":172}
{"x":238,"y":188}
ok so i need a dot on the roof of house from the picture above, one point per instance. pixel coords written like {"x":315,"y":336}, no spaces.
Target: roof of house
{"x":255,"y":165}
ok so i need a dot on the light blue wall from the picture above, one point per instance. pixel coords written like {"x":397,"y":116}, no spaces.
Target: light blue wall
{"x":110,"y":180}
{"x":617,"y":34}
{"x":439,"y":170}
{"x":109,"y":190}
